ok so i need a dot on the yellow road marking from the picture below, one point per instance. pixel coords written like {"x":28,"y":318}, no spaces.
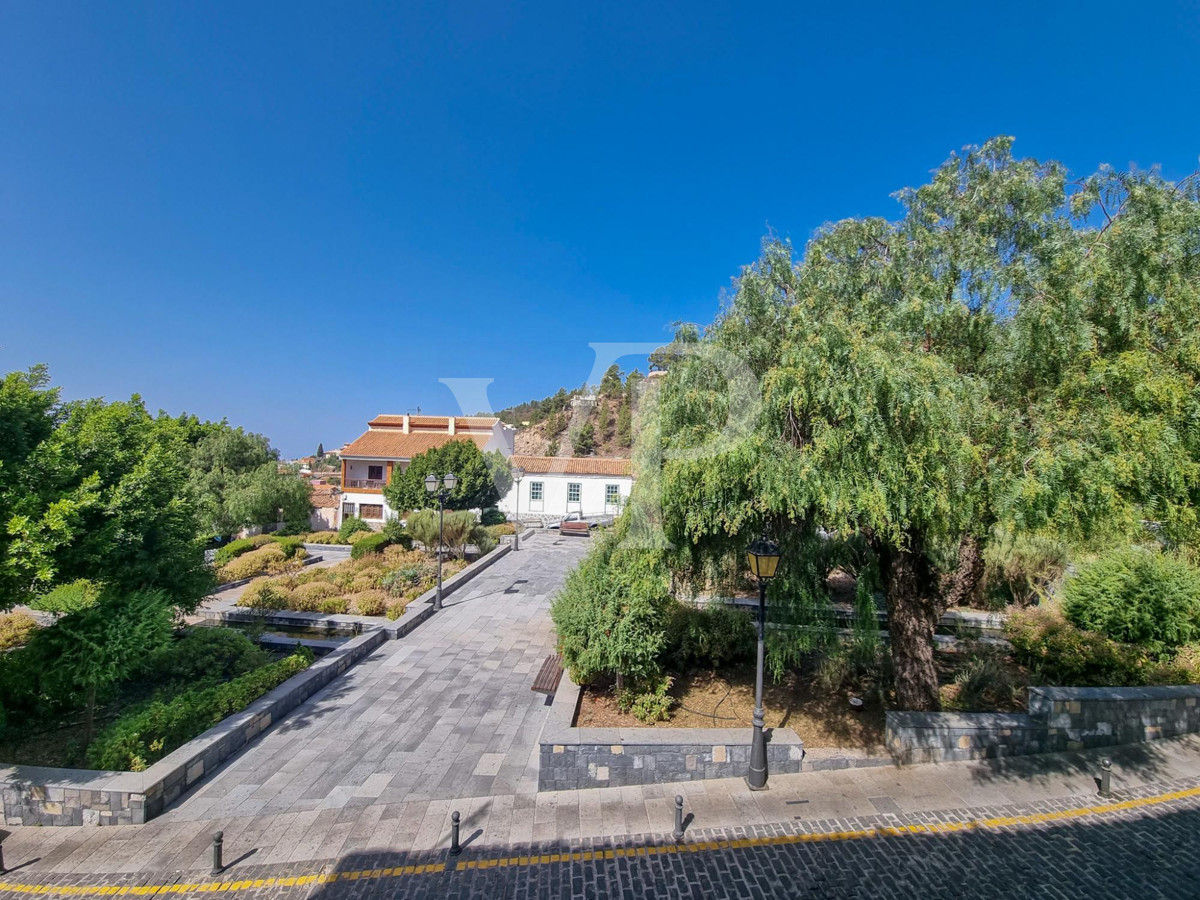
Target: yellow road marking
{"x":617,"y":853}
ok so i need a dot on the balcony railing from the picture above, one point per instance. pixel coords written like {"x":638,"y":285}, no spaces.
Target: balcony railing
{"x":374,"y":484}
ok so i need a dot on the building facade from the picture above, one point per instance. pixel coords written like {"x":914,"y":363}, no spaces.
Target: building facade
{"x":390,"y":442}
{"x":560,"y":487}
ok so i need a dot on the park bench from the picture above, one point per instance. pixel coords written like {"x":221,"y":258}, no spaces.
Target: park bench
{"x":548,"y":675}
{"x":579,"y":528}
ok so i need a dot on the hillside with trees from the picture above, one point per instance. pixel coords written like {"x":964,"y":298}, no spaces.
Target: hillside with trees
{"x":587,"y":421}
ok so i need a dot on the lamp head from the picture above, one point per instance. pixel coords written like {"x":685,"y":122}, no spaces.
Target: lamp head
{"x":763,"y":556}
{"x":431,"y":482}
{"x":449,"y":480}
{"x":518,"y":473}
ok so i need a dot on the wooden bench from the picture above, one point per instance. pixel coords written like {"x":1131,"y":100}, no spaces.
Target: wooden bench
{"x":580,"y":528}
{"x":548,"y":675}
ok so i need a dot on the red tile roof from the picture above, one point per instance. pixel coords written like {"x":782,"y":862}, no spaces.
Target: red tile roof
{"x":325,"y":496}
{"x":562,"y":465}
{"x":392,"y":444}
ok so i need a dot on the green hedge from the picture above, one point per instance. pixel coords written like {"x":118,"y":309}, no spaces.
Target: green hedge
{"x":234,"y":549}
{"x":148,"y":733}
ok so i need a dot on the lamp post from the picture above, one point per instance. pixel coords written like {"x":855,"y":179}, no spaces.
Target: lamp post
{"x":763,"y":556}
{"x":449,"y":480}
{"x":517,"y":473}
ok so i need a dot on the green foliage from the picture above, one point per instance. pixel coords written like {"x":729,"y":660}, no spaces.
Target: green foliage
{"x":457,"y":530}
{"x":234,"y":549}
{"x":351,"y":525}
{"x":372,"y":543}
{"x":483,"y":478}
{"x":370,"y":603}
{"x":610,"y":383}
{"x":653,"y":704}
{"x":583,"y":439}
{"x":484,"y":541}
{"x":269,"y":559}
{"x":1019,"y":568}
{"x":612,"y":613}
{"x":1063,"y":654}
{"x":397,"y":533}
{"x":492,"y":516}
{"x":423,"y":526}
{"x":553,"y":447}
{"x":985,"y":683}
{"x":68,"y":598}
{"x":144,"y":735}
{"x":200,"y":656}
{"x":1138,"y":597}
{"x":624,"y":432}
{"x":713,"y":636}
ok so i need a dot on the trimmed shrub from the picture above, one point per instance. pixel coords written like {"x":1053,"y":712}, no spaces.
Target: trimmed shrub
{"x":484,"y":540}
{"x":370,"y":603}
{"x":149,"y":732}
{"x":307,"y":597}
{"x":199,"y":655}
{"x":368,"y":543}
{"x":234,"y":549}
{"x":1136,"y":597}
{"x":291,"y":546}
{"x":352,"y":525}
{"x":492,"y":516}
{"x":265,"y":595}
{"x":334,"y":606}
{"x":1062,"y":654}
{"x":15,"y":629}
{"x":267,"y":560}
{"x":497,"y":531}
{"x":69,"y":598}
{"x":395,"y":609}
{"x":323,"y":537}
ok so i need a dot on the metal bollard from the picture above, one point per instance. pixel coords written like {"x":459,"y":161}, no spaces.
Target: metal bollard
{"x":2,"y":869}
{"x":218,"y":844}
{"x":678,"y":832}
{"x":455,"y":847}
{"x":1106,"y":777}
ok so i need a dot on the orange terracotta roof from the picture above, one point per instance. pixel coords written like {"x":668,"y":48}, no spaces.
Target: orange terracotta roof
{"x":325,"y":496}
{"x":561,"y":465}
{"x":389,"y":444}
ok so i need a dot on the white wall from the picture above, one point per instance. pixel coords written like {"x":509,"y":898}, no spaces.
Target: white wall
{"x":554,"y":495}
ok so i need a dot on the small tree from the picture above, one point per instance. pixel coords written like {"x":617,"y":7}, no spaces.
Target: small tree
{"x":583,"y":442}
{"x":610,"y":384}
{"x":320,"y":451}
{"x":625,"y":424}
{"x":483,"y":478}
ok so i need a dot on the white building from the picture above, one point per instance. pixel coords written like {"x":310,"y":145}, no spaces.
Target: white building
{"x":556,"y":487}
{"x":392,"y":441}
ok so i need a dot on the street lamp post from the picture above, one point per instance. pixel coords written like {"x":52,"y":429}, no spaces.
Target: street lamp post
{"x":763,"y":556}
{"x":517,"y":473}
{"x":449,"y":480}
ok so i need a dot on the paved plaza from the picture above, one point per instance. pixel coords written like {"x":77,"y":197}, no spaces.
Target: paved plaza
{"x":351,"y":796}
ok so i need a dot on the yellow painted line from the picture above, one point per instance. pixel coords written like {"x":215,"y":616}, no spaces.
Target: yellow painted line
{"x":616,"y":853}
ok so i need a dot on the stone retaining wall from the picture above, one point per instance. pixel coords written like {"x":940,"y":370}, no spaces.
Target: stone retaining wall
{"x":572,"y":758}
{"x":1059,"y":719}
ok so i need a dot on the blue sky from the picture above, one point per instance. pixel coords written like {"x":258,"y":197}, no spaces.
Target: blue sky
{"x":299,"y":216}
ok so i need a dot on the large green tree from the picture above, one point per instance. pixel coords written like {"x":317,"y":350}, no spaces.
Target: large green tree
{"x":1018,"y":349}
{"x":483,"y":478}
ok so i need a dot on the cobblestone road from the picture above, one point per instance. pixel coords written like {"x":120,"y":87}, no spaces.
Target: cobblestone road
{"x":1143,"y":844}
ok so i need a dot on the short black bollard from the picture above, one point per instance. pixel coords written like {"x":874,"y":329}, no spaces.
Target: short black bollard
{"x":455,"y":846}
{"x":678,"y":832}
{"x":1106,"y":777}
{"x":218,"y":844}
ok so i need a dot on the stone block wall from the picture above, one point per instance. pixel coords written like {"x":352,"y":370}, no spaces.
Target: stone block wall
{"x":1059,"y":719}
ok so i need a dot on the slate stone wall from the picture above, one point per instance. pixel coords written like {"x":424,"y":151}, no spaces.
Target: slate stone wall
{"x":1059,"y":719}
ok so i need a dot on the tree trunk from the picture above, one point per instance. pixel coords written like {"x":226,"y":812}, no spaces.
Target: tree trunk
{"x":965,"y":585}
{"x":912,"y":618}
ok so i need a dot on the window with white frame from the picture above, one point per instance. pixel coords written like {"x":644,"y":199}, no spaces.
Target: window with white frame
{"x":612,"y":494}
{"x":574,"y":490}
{"x":535,"y":490}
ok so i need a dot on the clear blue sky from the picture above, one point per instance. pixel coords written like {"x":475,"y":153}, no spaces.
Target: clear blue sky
{"x":300,"y":215}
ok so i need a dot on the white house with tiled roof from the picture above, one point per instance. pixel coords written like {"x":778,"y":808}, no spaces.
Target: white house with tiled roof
{"x":392,"y":441}
{"x":555,"y":487}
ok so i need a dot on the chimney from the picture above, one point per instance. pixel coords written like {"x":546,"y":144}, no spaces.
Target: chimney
{"x":405,"y":427}
{"x":451,"y":418}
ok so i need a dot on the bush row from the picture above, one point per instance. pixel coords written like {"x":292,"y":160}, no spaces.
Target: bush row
{"x":148,"y":733}
{"x":273,"y":558}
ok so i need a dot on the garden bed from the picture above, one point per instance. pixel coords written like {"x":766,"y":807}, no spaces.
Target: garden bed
{"x":709,"y":699}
